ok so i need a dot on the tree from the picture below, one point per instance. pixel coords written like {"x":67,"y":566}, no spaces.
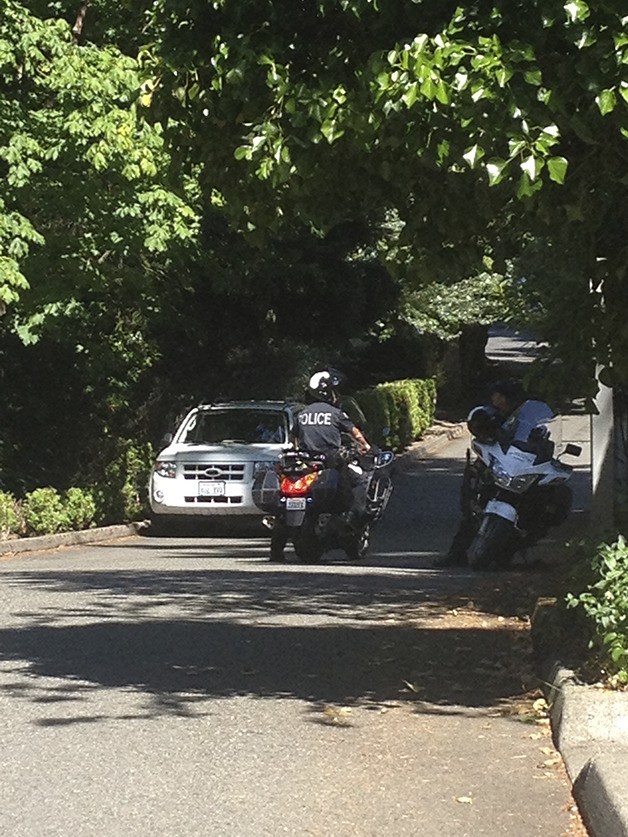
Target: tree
{"x":231,"y":167}
{"x":86,"y":200}
{"x":349,"y":106}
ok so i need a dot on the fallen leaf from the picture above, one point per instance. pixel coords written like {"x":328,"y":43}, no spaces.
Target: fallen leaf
{"x":551,"y":762}
{"x":338,"y":715}
{"x":465,"y":800}
{"x":540,"y":705}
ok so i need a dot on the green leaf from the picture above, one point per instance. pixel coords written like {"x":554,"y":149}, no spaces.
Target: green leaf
{"x":527,"y":187}
{"x":557,"y":169}
{"x":442,"y":94}
{"x":411,"y":95}
{"x":495,"y":169}
{"x":577,"y":10}
{"x":473,"y":155}
{"x":330,"y":131}
{"x":606,"y":100}
{"x":533,"y":77}
{"x":428,"y":89}
{"x":532,"y":167}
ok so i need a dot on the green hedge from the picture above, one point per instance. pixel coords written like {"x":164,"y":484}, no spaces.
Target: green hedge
{"x":117,"y":493}
{"x":9,"y":516}
{"x":405,"y":408}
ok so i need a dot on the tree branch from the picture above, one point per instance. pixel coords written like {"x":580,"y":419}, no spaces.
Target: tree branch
{"x":80,"y":20}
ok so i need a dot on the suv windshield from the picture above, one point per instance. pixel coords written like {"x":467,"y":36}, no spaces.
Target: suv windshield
{"x":240,"y":426}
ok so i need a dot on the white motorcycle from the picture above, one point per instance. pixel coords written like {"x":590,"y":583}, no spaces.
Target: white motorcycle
{"x":514,"y":492}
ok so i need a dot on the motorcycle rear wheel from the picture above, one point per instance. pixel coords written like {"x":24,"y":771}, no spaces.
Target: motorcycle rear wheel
{"x":307,"y":547}
{"x":492,"y":544}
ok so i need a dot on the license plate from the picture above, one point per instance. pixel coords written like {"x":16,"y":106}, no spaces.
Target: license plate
{"x":211,"y":489}
{"x":295,"y":503}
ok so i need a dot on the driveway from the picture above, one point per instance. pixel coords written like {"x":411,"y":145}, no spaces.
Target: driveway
{"x":185,"y":686}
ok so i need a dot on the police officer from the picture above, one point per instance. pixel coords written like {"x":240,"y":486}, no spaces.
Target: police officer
{"x":519,"y":415}
{"x":322,"y":422}
{"x":320,"y":427}
{"x":510,"y":417}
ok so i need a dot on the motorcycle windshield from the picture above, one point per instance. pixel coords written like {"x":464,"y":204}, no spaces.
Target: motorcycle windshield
{"x":555,"y":429}
{"x":532,"y":416}
{"x":537,"y":435}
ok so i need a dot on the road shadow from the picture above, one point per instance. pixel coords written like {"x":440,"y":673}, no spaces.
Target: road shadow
{"x":183,"y":661}
{"x":181,"y":639}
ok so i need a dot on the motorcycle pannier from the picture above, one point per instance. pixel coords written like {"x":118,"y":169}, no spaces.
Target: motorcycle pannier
{"x":325,"y":490}
{"x":266,"y":490}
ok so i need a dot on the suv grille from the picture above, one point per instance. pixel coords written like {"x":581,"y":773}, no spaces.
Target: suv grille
{"x":214,"y":471}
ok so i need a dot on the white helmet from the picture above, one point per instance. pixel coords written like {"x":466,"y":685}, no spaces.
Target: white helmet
{"x":323,"y":385}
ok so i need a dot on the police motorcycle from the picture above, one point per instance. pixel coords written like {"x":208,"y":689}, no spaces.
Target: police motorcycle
{"x":515,"y":490}
{"x":306,"y":502}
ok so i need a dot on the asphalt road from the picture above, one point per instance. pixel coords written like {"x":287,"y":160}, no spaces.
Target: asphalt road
{"x":185,"y":686}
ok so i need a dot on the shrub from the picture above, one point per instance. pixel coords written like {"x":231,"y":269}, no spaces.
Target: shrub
{"x":80,"y":508}
{"x":405,"y":408}
{"x":121,"y":491}
{"x":605,"y":605}
{"x":9,"y":516}
{"x":44,"y":512}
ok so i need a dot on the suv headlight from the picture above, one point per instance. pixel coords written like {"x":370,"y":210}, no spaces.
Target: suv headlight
{"x":165,"y":469}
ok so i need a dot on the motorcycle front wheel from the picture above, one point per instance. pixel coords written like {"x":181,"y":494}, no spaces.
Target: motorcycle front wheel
{"x":492,"y":544}
{"x":358,"y":546}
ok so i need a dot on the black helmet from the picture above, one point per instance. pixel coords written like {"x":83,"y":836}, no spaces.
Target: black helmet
{"x":323,"y":385}
{"x":509,"y":388}
{"x":483,"y":423}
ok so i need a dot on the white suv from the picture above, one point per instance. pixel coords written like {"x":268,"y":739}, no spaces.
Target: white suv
{"x":209,"y":464}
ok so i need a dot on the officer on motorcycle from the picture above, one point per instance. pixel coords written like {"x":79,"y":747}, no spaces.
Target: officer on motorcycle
{"x":519,"y":415}
{"x":510,"y":417}
{"x":321,"y":425}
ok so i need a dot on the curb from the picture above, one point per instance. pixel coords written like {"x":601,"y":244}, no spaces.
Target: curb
{"x":589,"y":728}
{"x":45,"y":542}
{"x":436,"y":437}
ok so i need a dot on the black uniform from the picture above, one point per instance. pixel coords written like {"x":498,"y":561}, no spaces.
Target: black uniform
{"x":320,"y":427}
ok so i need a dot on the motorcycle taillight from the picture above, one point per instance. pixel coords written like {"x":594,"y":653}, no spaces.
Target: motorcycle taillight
{"x":299,"y":487}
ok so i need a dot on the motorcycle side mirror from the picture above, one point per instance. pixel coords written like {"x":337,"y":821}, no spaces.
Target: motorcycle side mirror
{"x":384,"y":457}
{"x":572,"y":450}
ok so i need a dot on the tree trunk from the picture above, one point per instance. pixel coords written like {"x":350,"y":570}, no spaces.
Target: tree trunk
{"x":472,"y":354}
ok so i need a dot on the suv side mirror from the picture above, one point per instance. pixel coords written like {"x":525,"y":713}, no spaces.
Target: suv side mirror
{"x":166,"y":439}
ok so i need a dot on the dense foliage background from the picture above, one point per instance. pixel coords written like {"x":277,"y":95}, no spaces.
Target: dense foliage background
{"x":206,"y":198}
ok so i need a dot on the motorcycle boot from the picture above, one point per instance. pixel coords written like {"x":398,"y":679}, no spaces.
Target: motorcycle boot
{"x":278,"y":541}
